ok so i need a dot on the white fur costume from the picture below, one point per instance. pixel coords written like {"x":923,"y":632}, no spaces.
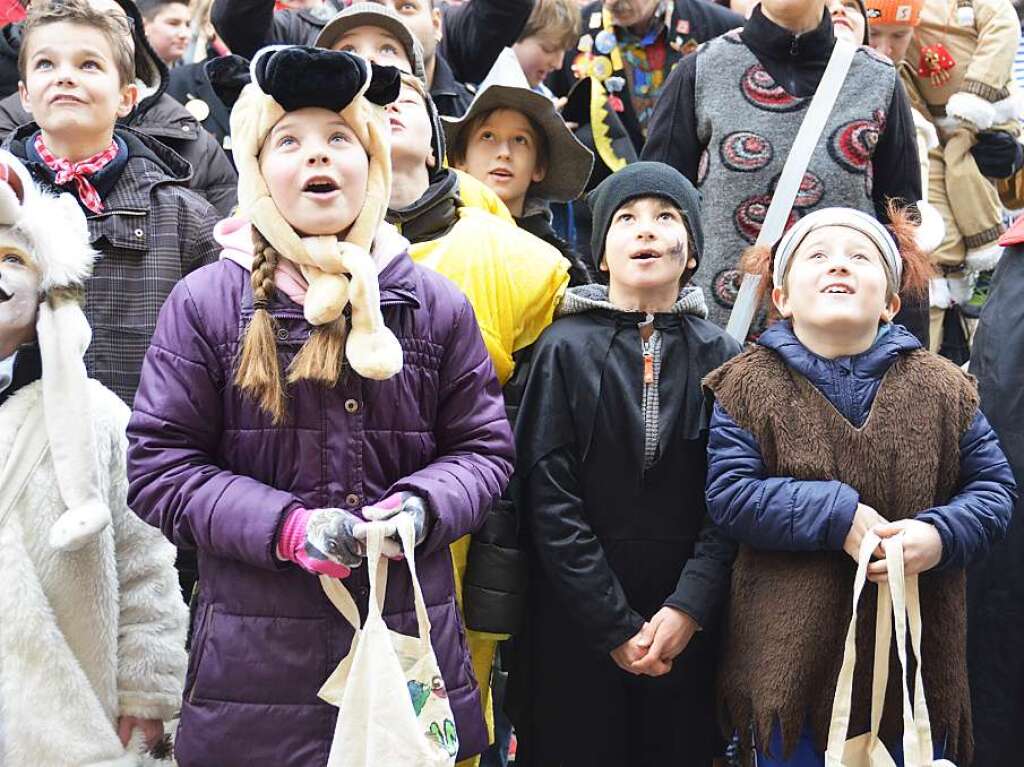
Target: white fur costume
{"x":93,"y":625}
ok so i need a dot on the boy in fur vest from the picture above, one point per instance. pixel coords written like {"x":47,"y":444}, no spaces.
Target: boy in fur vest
{"x":92,"y":639}
{"x":837,"y":422}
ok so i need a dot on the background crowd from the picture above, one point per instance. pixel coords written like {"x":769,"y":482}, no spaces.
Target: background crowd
{"x":482,"y":285}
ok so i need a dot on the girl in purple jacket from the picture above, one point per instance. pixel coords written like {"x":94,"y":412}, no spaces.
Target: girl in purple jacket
{"x":269,"y":425}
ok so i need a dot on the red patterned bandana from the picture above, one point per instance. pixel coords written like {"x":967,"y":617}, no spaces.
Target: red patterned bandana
{"x":79,"y":172}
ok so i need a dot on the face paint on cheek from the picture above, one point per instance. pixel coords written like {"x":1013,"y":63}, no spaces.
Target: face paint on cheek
{"x":678,"y":251}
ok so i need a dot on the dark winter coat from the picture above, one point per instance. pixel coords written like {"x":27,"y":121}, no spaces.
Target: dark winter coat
{"x":777,"y":481}
{"x":692,"y":20}
{"x":995,"y":586}
{"x":615,"y":539}
{"x":189,"y":83}
{"x":211,"y":176}
{"x":152,"y":232}
{"x":473,"y":36}
{"x":209,"y":467}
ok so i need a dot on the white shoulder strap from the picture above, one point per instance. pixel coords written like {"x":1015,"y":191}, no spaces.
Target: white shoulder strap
{"x":29,"y":448}
{"x":799,"y":158}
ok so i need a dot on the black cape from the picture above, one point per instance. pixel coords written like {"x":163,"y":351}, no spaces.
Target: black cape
{"x":995,"y":586}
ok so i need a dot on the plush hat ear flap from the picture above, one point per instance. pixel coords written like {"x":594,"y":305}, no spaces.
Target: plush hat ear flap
{"x":385,"y":84}
{"x":228,"y":75}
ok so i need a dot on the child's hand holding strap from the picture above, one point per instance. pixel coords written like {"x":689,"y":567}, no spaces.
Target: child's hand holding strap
{"x":864,"y":519}
{"x":322,"y":541}
{"x":922,"y":548}
{"x":387,"y":510}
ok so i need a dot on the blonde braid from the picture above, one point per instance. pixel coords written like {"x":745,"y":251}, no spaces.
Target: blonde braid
{"x":259,"y":372}
{"x":320,"y":357}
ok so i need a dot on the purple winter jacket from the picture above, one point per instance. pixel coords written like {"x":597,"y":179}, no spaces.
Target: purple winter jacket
{"x":212,"y":471}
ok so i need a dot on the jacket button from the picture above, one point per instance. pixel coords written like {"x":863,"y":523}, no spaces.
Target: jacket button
{"x":351,"y":500}
{"x":351,"y":406}
{"x":139,"y":233}
{"x":282,"y":334}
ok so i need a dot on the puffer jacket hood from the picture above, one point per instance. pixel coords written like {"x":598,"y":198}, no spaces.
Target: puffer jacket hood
{"x":850,"y":383}
{"x":594,"y":297}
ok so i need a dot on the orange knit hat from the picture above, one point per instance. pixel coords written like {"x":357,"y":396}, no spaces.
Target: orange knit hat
{"x":894,"y":12}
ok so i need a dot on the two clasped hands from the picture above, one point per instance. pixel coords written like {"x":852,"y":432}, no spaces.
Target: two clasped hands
{"x":333,"y":541}
{"x":654,"y":648}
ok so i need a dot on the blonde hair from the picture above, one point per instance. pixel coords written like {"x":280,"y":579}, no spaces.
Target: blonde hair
{"x":259,"y":370}
{"x":557,"y":20}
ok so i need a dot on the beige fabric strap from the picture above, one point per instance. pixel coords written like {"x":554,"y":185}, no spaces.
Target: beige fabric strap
{"x":899,"y":609}
{"x":378,"y":565}
{"x":841,"y":703}
{"x":29,"y":448}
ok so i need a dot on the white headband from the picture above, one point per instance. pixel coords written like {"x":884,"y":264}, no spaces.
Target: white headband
{"x":848,"y":217}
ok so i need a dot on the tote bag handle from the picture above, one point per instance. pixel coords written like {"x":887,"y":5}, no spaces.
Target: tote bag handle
{"x":377,"y":565}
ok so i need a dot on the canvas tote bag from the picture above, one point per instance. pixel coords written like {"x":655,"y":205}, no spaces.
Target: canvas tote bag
{"x":393,"y":709}
{"x":898,"y":603}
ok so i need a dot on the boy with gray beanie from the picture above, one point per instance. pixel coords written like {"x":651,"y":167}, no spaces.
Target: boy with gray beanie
{"x":611,"y":447}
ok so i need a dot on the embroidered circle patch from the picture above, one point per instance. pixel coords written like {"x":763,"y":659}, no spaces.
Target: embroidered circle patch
{"x":725,"y":286}
{"x":745,"y":152}
{"x":761,"y":90}
{"x":852,"y":145}
{"x":812,"y":189}
{"x":750,"y":216}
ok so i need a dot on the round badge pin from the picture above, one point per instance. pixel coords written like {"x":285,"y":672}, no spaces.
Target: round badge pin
{"x":615,"y":84}
{"x":605,"y":41}
{"x":601,"y":68}
{"x":198,"y":108}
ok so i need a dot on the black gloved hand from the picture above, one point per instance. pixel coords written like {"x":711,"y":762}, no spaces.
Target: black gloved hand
{"x":998,"y":154}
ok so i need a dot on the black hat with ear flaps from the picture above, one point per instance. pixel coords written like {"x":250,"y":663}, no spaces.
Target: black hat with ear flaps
{"x":297,"y":77}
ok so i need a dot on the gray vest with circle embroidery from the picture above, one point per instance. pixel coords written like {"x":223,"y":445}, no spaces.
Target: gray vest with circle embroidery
{"x":748,"y":122}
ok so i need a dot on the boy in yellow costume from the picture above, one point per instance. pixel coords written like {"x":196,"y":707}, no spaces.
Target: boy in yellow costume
{"x":513,"y":280}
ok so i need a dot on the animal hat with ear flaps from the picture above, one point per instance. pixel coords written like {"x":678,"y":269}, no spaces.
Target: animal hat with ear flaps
{"x":287,"y":78}
{"x":52,"y":234}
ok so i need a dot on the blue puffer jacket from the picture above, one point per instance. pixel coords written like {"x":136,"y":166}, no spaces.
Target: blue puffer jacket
{"x":786,"y":514}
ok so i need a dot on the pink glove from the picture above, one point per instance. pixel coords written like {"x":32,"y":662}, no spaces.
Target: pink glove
{"x":334,"y":549}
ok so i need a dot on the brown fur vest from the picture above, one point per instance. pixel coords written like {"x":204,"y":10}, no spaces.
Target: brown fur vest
{"x":789,"y":610}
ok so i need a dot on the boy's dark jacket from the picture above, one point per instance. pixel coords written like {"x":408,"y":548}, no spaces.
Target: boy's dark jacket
{"x":790,"y":430}
{"x":157,"y":115}
{"x":152,"y":232}
{"x":995,"y":586}
{"x":633,"y":537}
